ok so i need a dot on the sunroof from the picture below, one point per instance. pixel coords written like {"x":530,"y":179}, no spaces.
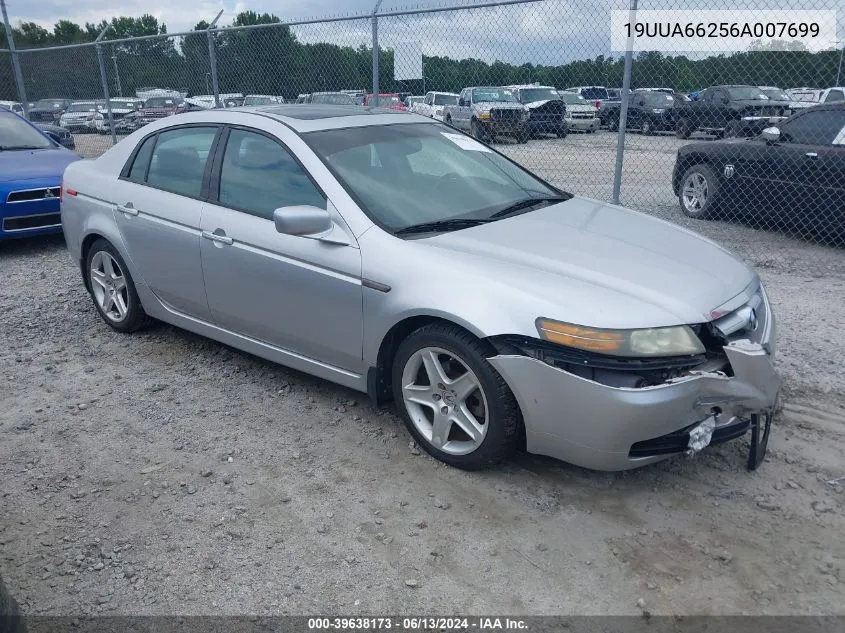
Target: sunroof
{"x":308,"y":112}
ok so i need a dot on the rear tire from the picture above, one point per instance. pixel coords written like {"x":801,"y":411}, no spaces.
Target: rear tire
{"x":112,"y":289}
{"x":613,"y":124}
{"x":467,"y":393}
{"x":647,"y":128}
{"x":683,"y":128}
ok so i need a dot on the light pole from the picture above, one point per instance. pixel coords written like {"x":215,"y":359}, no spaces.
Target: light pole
{"x":116,"y":75}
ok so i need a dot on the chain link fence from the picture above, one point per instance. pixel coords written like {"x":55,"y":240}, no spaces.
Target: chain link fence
{"x":779,"y":203}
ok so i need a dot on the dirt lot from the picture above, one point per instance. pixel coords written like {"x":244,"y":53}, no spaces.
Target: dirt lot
{"x":161,"y":473}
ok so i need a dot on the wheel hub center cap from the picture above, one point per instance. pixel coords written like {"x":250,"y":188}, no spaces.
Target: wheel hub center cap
{"x":450,"y":398}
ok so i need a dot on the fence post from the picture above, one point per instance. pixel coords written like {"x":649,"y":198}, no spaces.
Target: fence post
{"x":16,"y":67}
{"x":623,"y":114}
{"x":375,"y":53}
{"x":105,"y":81}
{"x":116,"y":74}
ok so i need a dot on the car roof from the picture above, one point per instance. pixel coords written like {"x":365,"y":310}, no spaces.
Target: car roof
{"x":529,"y":86}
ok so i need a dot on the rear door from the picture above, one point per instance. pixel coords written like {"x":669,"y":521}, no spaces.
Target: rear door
{"x":158,"y":208}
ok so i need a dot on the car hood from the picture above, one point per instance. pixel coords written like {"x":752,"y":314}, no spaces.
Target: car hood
{"x":26,"y":165}
{"x":602,"y":265}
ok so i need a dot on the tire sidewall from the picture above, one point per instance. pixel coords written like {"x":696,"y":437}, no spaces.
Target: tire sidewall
{"x":135,"y":316}
{"x":497,"y":431}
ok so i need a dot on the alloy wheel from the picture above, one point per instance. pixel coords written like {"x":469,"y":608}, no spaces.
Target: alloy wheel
{"x":445,"y":400}
{"x":695,"y":193}
{"x":108,"y":285}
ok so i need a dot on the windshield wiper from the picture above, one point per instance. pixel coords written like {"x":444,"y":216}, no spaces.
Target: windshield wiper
{"x":437,"y":226}
{"x":527,"y":203}
{"x":19,"y":147}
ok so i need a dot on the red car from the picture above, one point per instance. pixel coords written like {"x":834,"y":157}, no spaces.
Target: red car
{"x":388,"y":100}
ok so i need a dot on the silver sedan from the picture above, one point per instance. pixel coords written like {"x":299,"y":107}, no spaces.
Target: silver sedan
{"x":391,"y":254}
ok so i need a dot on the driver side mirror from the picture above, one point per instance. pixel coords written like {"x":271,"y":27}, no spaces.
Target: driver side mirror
{"x":771,"y":134}
{"x":310,"y":222}
{"x":462,"y":102}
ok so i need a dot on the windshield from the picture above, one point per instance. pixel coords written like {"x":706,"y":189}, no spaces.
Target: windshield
{"x":529,"y":95}
{"x":746,"y":93}
{"x":160,"y":102}
{"x":382,"y":100}
{"x":333,"y":99}
{"x":492,"y":94}
{"x":50,"y":103}
{"x":445,"y":99}
{"x":658,"y":100}
{"x":15,"y":133}
{"x":775,"y":93}
{"x":570,"y":98}
{"x":253,"y":101}
{"x":403,"y":175}
{"x":595,"y":92}
{"x":82,"y":107}
{"x":123,"y":104}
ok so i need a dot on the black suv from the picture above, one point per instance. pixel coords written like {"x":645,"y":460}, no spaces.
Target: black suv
{"x":729,"y":111}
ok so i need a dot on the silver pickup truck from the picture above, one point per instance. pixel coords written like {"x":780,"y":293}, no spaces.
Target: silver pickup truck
{"x":486,"y":112}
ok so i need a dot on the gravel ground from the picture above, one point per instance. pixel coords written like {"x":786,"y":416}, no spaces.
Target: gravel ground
{"x":162,"y":473}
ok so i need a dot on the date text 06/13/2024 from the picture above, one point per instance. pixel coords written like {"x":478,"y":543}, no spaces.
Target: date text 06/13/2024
{"x":417,"y":623}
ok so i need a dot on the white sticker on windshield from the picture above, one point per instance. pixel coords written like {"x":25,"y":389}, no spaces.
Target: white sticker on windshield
{"x":465,"y":142}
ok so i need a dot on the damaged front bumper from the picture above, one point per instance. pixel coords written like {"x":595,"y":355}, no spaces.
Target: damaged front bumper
{"x":603,"y":427}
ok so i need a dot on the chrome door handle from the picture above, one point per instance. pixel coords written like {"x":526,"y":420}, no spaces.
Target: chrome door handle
{"x":811,"y":155}
{"x":127,"y":208}
{"x":217,"y":238}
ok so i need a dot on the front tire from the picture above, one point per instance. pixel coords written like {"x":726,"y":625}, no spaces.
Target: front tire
{"x":613,"y":124}
{"x":684,"y":128}
{"x":454,"y":403}
{"x":699,"y":192}
{"x":112,"y":289}
{"x":647,"y":128}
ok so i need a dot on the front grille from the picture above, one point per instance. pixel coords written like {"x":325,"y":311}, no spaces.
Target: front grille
{"x":502,"y":114}
{"x":29,"y":222}
{"x":27,"y":195}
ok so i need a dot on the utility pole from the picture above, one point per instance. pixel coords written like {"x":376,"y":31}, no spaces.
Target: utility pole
{"x":16,"y":66}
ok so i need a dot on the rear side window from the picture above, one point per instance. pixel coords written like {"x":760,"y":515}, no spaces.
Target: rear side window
{"x":593,"y":93}
{"x":834,"y":95}
{"x":178,"y":161}
{"x":142,"y":159}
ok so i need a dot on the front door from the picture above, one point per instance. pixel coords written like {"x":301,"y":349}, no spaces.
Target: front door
{"x":296,"y":293}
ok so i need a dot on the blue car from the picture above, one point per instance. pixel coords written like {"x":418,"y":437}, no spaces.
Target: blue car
{"x":31,"y":168}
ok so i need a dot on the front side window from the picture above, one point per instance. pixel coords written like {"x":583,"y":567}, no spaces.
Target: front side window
{"x":403,"y":175}
{"x":814,"y":128}
{"x":258,"y":176}
{"x":178,"y":160}
{"x":834,"y":95}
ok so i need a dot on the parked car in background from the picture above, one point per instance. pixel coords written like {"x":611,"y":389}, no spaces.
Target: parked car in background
{"x":332,"y":98}
{"x":648,"y":112}
{"x":57,"y":133}
{"x":156,"y":108}
{"x":488,"y":111}
{"x":581,"y":115}
{"x":806,"y":97}
{"x":48,"y":110}
{"x":120,"y":107}
{"x":729,"y":111}
{"x":668,"y":91}
{"x":411,"y":100}
{"x":594,"y":94}
{"x":357,"y":95}
{"x":792,"y":175}
{"x":832,"y":95}
{"x":389,"y":100}
{"x":546,"y":110}
{"x":78,"y":115}
{"x":260,"y":100}
{"x":12,"y":106}
{"x":232,"y":100}
{"x":496,"y":310}
{"x":777,"y":95}
{"x":31,"y":168}
{"x":434,"y":103}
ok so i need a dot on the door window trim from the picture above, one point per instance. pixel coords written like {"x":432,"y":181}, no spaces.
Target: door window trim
{"x":204,"y":195}
{"x":217,"y":167}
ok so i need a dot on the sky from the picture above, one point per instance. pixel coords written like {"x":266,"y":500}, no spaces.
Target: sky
{"x":545,"y":32}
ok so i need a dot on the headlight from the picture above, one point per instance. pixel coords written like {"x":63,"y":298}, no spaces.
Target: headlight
{"x":438,"y":112}
{"x":484,"y":116}
{"x":678,"y":340}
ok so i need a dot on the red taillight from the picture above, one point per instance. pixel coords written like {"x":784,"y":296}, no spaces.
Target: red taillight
{"x":598,"y":103}
{"x":63,"y":191}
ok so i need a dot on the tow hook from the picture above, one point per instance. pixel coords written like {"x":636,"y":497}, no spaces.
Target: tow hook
{"x":700,"y":435}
